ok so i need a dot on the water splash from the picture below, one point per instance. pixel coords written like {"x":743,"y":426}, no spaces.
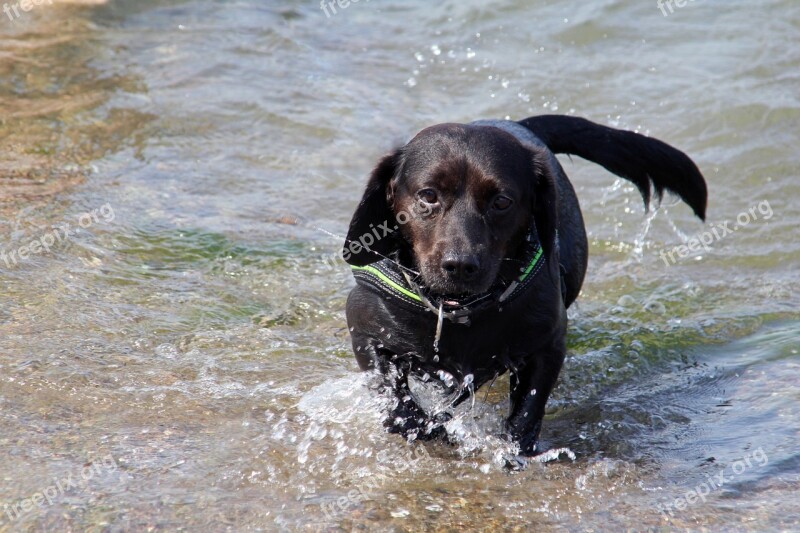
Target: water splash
{"x":641,"y":239}
{"x":554,"y":455}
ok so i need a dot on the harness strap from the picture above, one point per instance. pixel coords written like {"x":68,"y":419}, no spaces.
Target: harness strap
{"x":395,"y":283}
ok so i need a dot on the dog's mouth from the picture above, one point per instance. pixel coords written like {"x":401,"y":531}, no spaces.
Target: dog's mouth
{"x":439,"y":288}
{"x":451,"y":293}
{"x":456,"y":297}
{"x":453,"y":300}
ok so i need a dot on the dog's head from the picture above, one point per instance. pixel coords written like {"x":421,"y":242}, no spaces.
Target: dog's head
{"x":456,"y":202}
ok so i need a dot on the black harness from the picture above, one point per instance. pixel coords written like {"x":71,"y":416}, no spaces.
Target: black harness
{"x":393,"y":282}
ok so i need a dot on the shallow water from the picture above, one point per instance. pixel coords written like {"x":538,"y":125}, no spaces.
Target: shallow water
{"x":179,"y":359}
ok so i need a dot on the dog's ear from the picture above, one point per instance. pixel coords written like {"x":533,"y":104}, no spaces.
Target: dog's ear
{"x":545,"y":204}
{"x":367,"y":240}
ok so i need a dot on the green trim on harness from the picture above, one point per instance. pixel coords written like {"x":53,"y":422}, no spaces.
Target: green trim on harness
{"x":384,"y":278}
{"x":534,"y":262}
{"x":537,"y":257}
{"x":392,"y":280}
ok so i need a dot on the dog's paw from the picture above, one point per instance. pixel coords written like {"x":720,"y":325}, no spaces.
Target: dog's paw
{"x":415,"y":425}
{"x":442,"y":418}
{"x":403,"y":424}
{"x":431,"y":432}
{"x":434,"y":427}
{"x":515,"y":463}
{"x":528,"y":447}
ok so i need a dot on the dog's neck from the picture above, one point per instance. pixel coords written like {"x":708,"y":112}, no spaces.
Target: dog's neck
{"x":396,"y":277}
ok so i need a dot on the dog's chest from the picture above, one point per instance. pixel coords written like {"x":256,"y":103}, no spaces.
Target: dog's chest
{"x":492,"y":343}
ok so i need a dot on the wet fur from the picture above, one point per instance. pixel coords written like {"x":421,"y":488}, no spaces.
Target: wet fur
{"x":469,"y":166}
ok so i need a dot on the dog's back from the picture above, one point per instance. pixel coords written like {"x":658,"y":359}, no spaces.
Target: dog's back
{"x":573,"y":246}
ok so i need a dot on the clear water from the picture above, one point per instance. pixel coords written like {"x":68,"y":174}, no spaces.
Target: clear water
{"x":182,"y":353}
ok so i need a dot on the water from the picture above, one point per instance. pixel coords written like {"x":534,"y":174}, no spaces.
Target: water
{"x":179,"y":358}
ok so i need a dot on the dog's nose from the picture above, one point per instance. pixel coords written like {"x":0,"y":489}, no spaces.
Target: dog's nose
{"x":461,"y":267}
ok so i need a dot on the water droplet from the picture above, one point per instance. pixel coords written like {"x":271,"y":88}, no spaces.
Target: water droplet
{"x":655,"y":307}
{"x":446,"y":377}
{"x":626,"y":300}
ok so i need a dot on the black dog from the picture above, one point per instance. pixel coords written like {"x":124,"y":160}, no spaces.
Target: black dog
{"x":469,"y":245}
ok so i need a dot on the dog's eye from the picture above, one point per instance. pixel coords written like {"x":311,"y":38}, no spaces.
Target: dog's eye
{"x":501,"y":203}
{"x":428,"y":196}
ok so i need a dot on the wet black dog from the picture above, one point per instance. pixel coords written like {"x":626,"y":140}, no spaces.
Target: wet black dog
{"x":469,"y":245}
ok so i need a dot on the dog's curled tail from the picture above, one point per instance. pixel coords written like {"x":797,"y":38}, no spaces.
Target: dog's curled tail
{"x":637,"y":158}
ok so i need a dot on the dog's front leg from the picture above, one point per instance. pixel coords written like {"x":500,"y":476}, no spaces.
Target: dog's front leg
{"x":406,"y":417}
{"x":531,"y":386}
